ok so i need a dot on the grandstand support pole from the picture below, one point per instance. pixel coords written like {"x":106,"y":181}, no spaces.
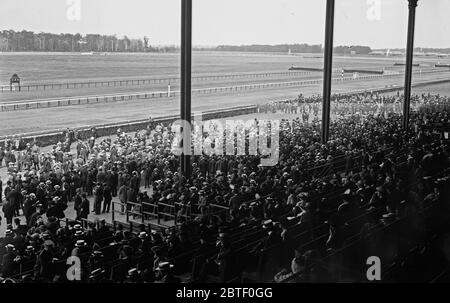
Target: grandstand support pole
{"x":328,"y":63}
{"x":409,"y":62}
{"x":185,"y":90}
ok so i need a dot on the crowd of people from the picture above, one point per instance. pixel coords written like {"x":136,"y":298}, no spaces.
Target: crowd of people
{"x":346,"y":105}
{"x":372,"y":163}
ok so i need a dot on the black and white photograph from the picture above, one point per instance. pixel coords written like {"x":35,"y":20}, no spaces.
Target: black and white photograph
{"x":240,"y":144}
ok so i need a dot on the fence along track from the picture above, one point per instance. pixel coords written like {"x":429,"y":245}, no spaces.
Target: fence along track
{"x":137,"y":82}
{"x":13,"y":106}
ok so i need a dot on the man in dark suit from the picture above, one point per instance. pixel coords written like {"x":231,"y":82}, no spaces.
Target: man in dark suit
{"x":9,"y":211}
{"x":226,"y":259}
{"x":14,"y":197}
{"x":107,"y":198}
{"x":98,"y":198}
{"x":35,"y":216}
{"x":269,"y":248}
{"x":198,"y":268}
{"x":77,"y":203}
{"x":135,"y":182}
{"x":165,"y":269}
{"x":84,"y":207}
{"x":131,"y":197}
{"x":123,"y":196}
{"x":7,"y":189}
{"x":20,"y":228}
{"x":9,"y":266}
{"x":44,"y":261}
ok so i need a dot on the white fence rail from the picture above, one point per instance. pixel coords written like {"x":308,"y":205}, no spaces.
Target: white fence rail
{"x":83,"y":100}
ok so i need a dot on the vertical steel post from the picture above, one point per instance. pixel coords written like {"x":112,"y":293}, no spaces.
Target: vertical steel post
{"x":409,"y":61}
{"x":327,"y":70}
{"x":185,"y":89}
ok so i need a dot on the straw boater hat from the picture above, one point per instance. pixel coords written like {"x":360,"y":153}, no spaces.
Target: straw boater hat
{"x":97,"y":254}
{"x":96,"y":273}
{"x":79,"y":233}
{"x":80,"y":243}
{"x":133,"y":272}
{"x":163,"y":266}
{"x":267,"y":224}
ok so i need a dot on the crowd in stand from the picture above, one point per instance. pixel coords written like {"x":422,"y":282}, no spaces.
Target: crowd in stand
{"x":369,"y":164}
{"x":363,"y":104}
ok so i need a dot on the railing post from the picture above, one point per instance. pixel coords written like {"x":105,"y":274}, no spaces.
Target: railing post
{"x":112,"y":212}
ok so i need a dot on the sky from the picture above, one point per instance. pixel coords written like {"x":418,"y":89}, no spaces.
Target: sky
{"x":375,"y":23}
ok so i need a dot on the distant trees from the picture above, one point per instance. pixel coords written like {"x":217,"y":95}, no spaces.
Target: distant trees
{"x":24,"y":41}
{"x":357,"y":49}
{"x":295,"y":48}
{"x":280,"y":48}
{"x":12,"y":41}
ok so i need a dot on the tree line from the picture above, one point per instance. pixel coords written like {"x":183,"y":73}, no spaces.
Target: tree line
{"x":24,"y":41}
{"x":295,"y":48}
{"x":28,"y":41}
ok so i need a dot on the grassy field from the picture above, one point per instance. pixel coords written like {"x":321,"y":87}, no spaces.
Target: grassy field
{"x":83,"y":115}
{"x":70,"y":67}
{"x":75,"y":67}
{"x":42,"y":67}
{"x":129,"y":89}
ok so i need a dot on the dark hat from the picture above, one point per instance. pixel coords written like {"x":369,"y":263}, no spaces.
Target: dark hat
{"x":49,"y":243}
{"x":222,"y":235}
{"x":156,"y":249}
{"x":46,"y":236}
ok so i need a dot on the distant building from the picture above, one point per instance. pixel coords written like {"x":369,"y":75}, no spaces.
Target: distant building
{"x":14,"y":81}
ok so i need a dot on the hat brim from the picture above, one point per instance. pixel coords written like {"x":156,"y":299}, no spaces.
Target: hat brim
{"x":165,"y":268}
